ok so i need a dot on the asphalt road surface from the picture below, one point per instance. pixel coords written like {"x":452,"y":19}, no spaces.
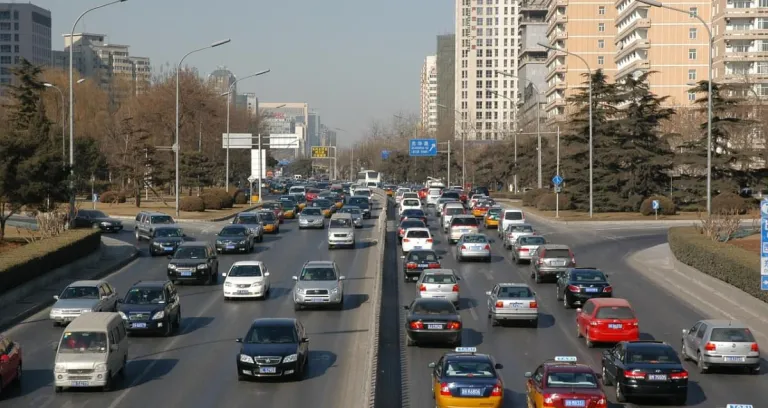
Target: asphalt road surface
{"x":196,"y":368}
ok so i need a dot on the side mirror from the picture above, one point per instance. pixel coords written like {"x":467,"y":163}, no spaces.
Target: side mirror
{"x":498,"y":366}
{"x":266,"y":273}
{"x":685,"y":331}
{"x":114,"y":347}
{"x":238,"y":340}
{"x":305,"y":339}
{"x":296,"y":278}
{"x":406,"y":307}
{"x":528,"y":374}
{"x":578,"y":310}
{"x":432,"y":365}
{"x":224,"y":274}
{"x":488,"y":293}
{"x":341,"y":278}
{"x":56,"y":297}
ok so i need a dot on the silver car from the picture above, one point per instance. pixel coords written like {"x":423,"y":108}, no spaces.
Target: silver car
{"x":341,"y":231}
{"x":449,"y":210}
{"x":311,"y":217}
{"x":439,"y":284}
{"x":442,"y":201}
{"x":525,"y":246}
{"x":319,"y":284}
{"x":721,"y":343}
{"x":473,"y":246}
{"x":252,"y":221}
{"x":512,"y":301}
{"x":355,"y":212}
{"x":460,"y":225}
{"x":549,"y":260}
{"x":513,"y":232}
{"x":83,"y":297}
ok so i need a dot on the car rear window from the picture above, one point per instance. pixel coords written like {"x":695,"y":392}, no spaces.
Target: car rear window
{"x":652,"y":355}
{"x":411,"y":195}
{"x":521,"y":228}
{"x":513,"y":215}
{"x":418,"y":234}
{"x":451,"y":194}
{"x":432,"y":307}
{"x":412,"y":224}
{"x":161,"y":219}
{"x":532,"y":241}
{"x":414,"y":213}
{"x":475,"y":239}
{"x":411,"y":202}
{"x":454,"y":211}
{"x":513,"y":292}
{"x":615,"y":312}
{"x":441,"y":279}
{"x":732,"y":335}
{"x":434,"y":191}
{"x":588,"y":276}
{"x":422,"y":256}
{"x":557,"y":253}
{"x":466,"y":222}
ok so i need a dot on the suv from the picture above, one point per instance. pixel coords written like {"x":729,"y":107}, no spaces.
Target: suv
{"x":449,"y":210}
{"x":362,"y":202}
{"x":550,"y":260}
{"x":319,"y":283}
{"x":151,"y":307}
{"x":341,"y":231}
{"x":146,"y":221}
{"x":195,"y":262}
{"x":252,"y":220}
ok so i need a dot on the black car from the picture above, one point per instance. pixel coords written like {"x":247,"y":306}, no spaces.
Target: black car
{"x":273,"y":347}
{"x":414,"y":213}
{"x":151,"y":307}
{"x":480,"y":190}
{"x":451,"y":194}
{"x":194,"y":262}
{"x":432,"y":321}
{"x":577,"y":285}
{"x":165,"y":240}
{"x":290,"y":204}
{"x":324,"y":204}
{"x":234,"y":238}
{"x":363,"y":203}
{"x":417,"y":261}
{"x":97,"y":219}
{"x":645,"y":369}
{"x":408,"y":223}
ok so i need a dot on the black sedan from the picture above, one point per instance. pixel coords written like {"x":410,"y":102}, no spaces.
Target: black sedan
{"x":165,"y":240}
{"x":273,"y":347}
{"x":417,"y":261}
{"x":234,"y":238}
{"x":97,"y":219}
{"x":432,"y":321}
{"x":577,"y":285}
{"x":414,"y":214}
{"x":645,"y":369}
{"x":151,"y":307}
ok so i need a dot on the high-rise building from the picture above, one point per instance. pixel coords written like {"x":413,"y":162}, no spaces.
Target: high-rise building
{"x":313,"y":131}
{"x":327,"y":136}
{"x":25,"y":32}
{"x":532,"y":30}
{"x":486,"y":42}
{"x":248,"y":101}
{"x":429,"y":94}
{"x":446,"y":79}
{"x":288,"y":120}
{"x":221,"y":80}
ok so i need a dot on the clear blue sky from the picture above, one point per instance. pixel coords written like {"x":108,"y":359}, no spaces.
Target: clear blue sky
{"x":352,"y":61}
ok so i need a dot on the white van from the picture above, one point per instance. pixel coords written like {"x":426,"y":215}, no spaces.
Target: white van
{"x":92,"y":351}
{"x":433,"y":194}
{"x":298,"y":190}
{"x":510,"y":216}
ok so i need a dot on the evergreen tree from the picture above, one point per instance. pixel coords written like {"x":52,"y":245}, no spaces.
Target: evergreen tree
{"x":196,"y":170}
{"x":24,"y":94}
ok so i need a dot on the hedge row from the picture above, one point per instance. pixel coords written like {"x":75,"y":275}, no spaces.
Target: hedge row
{"x":725,"y":262}
{"x":506,"y":195}
{"x":38,"y":258}
{"x":112,"y":197}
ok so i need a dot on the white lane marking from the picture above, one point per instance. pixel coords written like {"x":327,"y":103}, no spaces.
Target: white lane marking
{"x":473,"y":314}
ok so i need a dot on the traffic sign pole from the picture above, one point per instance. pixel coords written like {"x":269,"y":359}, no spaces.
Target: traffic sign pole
{"x":557,"y":181}
{"x":764,"y":244}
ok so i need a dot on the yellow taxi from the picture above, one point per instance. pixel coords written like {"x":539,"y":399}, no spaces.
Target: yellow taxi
{"x":492,"y":216}
{"x":270,"y":220}
{"x":301,"y":201}
{"x":390,"y":190}
{"x":465,"y":378}
{"x":326,"y":206}
{"x":290,"y":206}
{"x":480,"y":209}
{"x":563,"y":382}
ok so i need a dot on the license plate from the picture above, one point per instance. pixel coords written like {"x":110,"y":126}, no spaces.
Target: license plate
{"x":591,"y":290}
{"x":516,"y":305}
{"x":186,"y":274}
{"x":575,"y":403}
{"x":267,"y":370}
{"x":423,"y":265}
{"x":735,"y":358}
{"x":435,"y":326}
{"x":615,"y":326}
{"x":138,"y":325}
{"x":465,"y":231}
{"x":230,"y":247}
{"x":477,"y":248}
{"x":80,"y":384}
{"x":471,"y":392}
{"x":417,"y":247}
{"x":657,"y":377}
{"x":168,"y":248}
{"x":558,"y":263}
{"x":242,"y":292}
{"x":314,"y":300}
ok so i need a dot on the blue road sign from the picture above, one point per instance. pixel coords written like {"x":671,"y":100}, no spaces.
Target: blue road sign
{"x":422,"y":147}
{"x":557,"y":180}
{"x":284,"y":162}
{"x":384,"y":154}
{"x":655,"y":204}
{"x":764,"y":244}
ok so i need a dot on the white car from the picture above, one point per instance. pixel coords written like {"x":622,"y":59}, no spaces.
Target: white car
{"x":399,"y":194}
{"x":475,"y":198}
{"x":246,"y":279}
{"x":410,"y":204}
{"x":510,"y":216}
{"x":433,"y":194}
{"x":417,"y":238}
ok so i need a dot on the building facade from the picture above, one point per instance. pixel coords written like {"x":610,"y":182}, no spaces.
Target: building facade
{"x":446,"y":79}
{"x":25,"y":32}
{"x":740,"y":28}
{"x":531,"y":68}
{"x":248,"y":101}
{"x":286,"y":118}
{"x":428,"y":100}
{"x":313,"y":131}
{"x":327,"y":136}
{"x":221,"y":80}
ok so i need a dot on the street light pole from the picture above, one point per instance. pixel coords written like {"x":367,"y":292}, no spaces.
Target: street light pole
{"x":463,"y":144}
{"x":589,"y":70}
{"x":176,"y":144}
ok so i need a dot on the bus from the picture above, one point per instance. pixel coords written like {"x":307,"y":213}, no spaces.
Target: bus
{"x":369,"y":178}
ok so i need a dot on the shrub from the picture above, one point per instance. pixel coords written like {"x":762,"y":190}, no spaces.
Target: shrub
{"x":35,"y":259}
{"x":530,"y":197}
{"x":729,"y":203}
{"x":506,"y":195}
{"x":668,"y":207}
{"x":241,"y":198}
{"x":211,"y":201}
{"x":234,"y":191}
{"x":191,"y":204}
{"x":225,"y":199}
{"x":546,"y":202}
{"x":112,"y":197}
{"x":725,"y":262}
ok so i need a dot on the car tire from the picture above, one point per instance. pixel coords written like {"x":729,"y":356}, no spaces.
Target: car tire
{"x":589,"y":343}
{"x":121,"y":373}
{"x":683,"y":354}
{"x":168,"y":329}
{"x":177,"y":321}
{"x":241,"y":377}
{"x":19,"y":374}
{"x":703,"y":369}
{"x":578,"y":331}
{"x":107,"y":383}
{"x":297,"y":307}
{"x":58,"y":390}
{"x":136,"y":234}
{"x":620,"y":397}
{"x":607,"y":382}
{"x":566,"y":303}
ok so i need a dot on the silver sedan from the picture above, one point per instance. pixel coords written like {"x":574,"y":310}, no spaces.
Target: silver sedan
{"x":473,"y":246}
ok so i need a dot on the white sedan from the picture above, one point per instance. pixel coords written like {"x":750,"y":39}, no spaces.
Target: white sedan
{"x":417,"y":238}
{"x":246,"y":279}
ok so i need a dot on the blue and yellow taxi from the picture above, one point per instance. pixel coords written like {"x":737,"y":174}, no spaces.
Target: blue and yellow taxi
{"x":290,"y":206}
{"x":466,"y":378}
{"x":563,"y":382}
{"x":492,"y":217}
{"x":301,"y":200}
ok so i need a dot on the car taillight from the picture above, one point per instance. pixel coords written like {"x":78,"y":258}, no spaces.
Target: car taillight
{"x":429,"y":240}
{"x":455,"y":288}
{"x":679,"y":376}
{"x":573,"y":258}
{"x":496,"y":392}
{"x":710,"y":347}
{"x":523,"y":249}
{"x":487,"y":247}
{"x":444,"y":390}
{"x":607,"y":289}
{"x":463,"y":247}
{"x":434,"y":265}
{"x":406,"y":240}
{"x":411,"y":265}
{"x":422,"y":288}
{"x":574,"y":288}
{"x":454,"y":326}
{"x":602,"y":403}
{"x":533,"y":305}
{"x":549,"y":399}
{"x":594,"y":323}
{"x":499,"y":304}
{"x":417,"y":325}
{"x":635,"y":375}
{"x":755,"y":348}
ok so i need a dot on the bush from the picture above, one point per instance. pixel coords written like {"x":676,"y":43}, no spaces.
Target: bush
{"x":531,"y":197}
{"x":668,"y":206}
{"x":191,"y":204}
{"x":112,"y":197}
{"x":725,"y":262}
{"x":211,"y":201}
{"x":728,"y":203}
{"x":225,"y":199}
{"x":506,"y":195}
{"x":241,"y":198}
{"x":35,"y":259}
{"x":234,"y":191}
{"x":546,"y":202}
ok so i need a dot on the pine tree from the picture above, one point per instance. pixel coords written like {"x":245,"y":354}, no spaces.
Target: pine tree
{"x":25,"y":94}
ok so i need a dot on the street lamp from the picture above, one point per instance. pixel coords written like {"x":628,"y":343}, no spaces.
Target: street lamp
{"x":63,"y":118}
{"x":589,"y":70}
{"x":72,"y":110}
{"x":654,"y":3}
{"x":463,"y":146}
{"x":229,"y":100}
{"x":176,"y":145}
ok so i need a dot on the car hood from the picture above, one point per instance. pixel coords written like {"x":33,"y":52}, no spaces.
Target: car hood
{"x":82,"y":361}
{"x":265,"y":350}
{"x":310,"y":217}
{"x":231,"y":238}
{"x":341,"y":230}
{"x":168,"y":240}
{"x":317,"y":284}
{"x":187,"y":262}
{"x":75,"y":303}
{"x":133,"y":308}
{"x":244,"y":279}
{"x":109,"y":220}
{"x":251,"y":226}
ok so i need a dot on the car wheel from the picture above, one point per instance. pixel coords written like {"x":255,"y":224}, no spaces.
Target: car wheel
{"x":703,"y":369}
{"x":241,"y":377}
{"x":566,"y":304}
{"x":55,"y":324}
{"x":168,"y":329}
{"x":494,"y":322}
{"x":296,"y":307}
{"x":108,"y":382}
{"x":607,"y":382}
{"x":620,"y":397}
{"x":578,"y":331}
{"x":589,"y":343}
{"x":177,"y":322}
{"x":136,"y":234}
{"x":58,"y":390}
{"x":683,"y":354}
{"x":19,"y":373}
{"x":121,"y":373}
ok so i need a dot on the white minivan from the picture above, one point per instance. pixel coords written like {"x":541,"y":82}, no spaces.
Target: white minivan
{"x":510,"y":216}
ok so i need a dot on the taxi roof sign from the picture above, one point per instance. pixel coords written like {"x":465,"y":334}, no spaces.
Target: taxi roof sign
{"x":566,"y":359}
{"x":466,"y":349}
{"x":738,"y":406}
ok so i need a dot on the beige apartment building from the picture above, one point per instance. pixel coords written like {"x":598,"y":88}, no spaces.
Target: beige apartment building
{"x":428,"y":99}
{"x":740,"y":28}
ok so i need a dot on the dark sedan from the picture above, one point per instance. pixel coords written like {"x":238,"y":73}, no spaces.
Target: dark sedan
{"x":234,"y":238}
{"x":408,"y":223}
{"x":577,"y":285}
{"x":431,"y":320}
{"x":97,"y":219}
{"x":328,"y":207}
{"x":165,"y":240}
{"x":273,"y":347}
{"x":417,"y":261}
{"x":414,"y":214}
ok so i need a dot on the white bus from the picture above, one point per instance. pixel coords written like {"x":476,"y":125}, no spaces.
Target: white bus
{"x":369,"y":178}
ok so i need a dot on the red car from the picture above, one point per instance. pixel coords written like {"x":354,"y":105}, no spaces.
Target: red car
{"x":607,"y":320}
{"x":563,"y":382}
{"x":423,"y":194}
{"x":10,"y":362}
{"x":312,"y":194}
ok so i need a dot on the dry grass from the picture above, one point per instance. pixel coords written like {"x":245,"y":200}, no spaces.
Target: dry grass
{"x":569,"y":215}
{"x":15,"y":237}
{"x":129,"y":209}
{"x":750,"y":243}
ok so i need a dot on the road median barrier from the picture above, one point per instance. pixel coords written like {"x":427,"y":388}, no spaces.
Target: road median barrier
{"x":373,"y":354}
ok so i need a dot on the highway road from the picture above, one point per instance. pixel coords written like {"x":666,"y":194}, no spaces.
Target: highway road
{"x":196,"y":368}
{"x":522,"y":349}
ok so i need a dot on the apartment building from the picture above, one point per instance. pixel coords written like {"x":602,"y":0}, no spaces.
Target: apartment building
{"x":428,"y":103}
{"x":25,"y":32}
{"x":446,"y":86}
{"x":740,"y":28}
{"x":531,"y":66}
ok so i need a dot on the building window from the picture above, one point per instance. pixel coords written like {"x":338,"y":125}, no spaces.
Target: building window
{"x":601,"y":10}
{"x":601,"y":27}
{"x":5,"y":15}
{"x":691,"y":74}
{"x":5,"y":37}
{"x":692,"y":33}
{"x":692,"y":53}
{"x":479,"y":73}
{"x":479,"y":105}
{"x":5,"y":26}
{"x":600,"y":60}
{"x":691,"y":96}
{"x":600,"y":43}
{"x":5,"y":59}
{"x":5,"y":48}
{"x":478,"y":115}
{"x":693,"y":12}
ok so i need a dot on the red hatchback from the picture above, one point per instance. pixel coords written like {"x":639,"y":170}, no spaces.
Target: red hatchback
{"x":10,"y":362}
{"x":312,"y":193}
{"x":563,"y":382}
{"x":607,"y":320}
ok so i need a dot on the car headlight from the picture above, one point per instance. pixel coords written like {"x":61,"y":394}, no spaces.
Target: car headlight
{"x":159,"y":315}
{"x":227,"y":285}
{"x":123,"y":315}
{"x":157,"y":244}
{"x":202,"y":266}
{"x":300,"y":291}
{"x":335,"y":290}
{"x":290,"y":359}
{"x":171,"y":266}
{"x":104,"y":223}
{"x":100,"y":368}
{"x":257,"y":284}
{"x":242,"y":242}
{"x":60,"y":368}
{"x":246,"y":359}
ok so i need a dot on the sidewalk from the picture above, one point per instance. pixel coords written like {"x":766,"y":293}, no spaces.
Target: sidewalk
{"x":32,"y":297}
{"x":713,"y":297}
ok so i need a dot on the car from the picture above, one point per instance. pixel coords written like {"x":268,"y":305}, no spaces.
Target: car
{"x":439,"y":284}
{"x":449,"y":210}
{"x":524,"y":246}
{"x":147,"y":221}
{"x":194,"y":262}
{"x":512,"y":302}
{"x":277,"y":208}
{"x":414,"y":213}
{"x":341,"y":231}
{"x":400,"y":193}
{"x":290,"y":206}
{"x":577,"y":285}
{"x":10,"y":362}
{"x":515,"y":231}
{"x":355,"y":212}
{"x":270,"y":221}
{"x":417,"y":238}
{"x":480,"y":209}
{"x":363,"y":192}
{"x":83,"y":296}
{"x":300,"y":200}
{"x":97,"y":220}
{"x":442,"y":201}
{"x":319,"y":284}
{"x":721,"y":343}
{"x":607,"y":320}
{"x":312,"y":193}
{"x":509,"y":217}
{"x":475,"y":198}
{"x":451,"y":194}
{"x":408,"y":204}
{"x":549,"y":260}
{"x":363,"y":203}
{"x":481,"y":190}
{"x":252,"y":220}
{"x":165,"y":240}
{"x":327,"y":207}
{"x":417,"y":261}
{"x":492,"y":216}
{"x":273,"y":347}
{"x":432,"y":321}
{"x":246,"y":279}
{"x":405,"y":225}
{"x":473,"y":246}
{"x":433,"y":194}
{"x":563,"y":382}
{"x":467,"y":379}
{"x":410,"y":194}
{"x":460,"y":225}
{"x":234,"y":238}
{"x":151,"y":307}
{"x":311,"y":218}
{"x":645,"y":369}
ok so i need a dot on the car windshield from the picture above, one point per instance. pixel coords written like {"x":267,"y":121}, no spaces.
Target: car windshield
{"x":247,"y":219}
{"x":360,"y":202}
{"x":340,"y":223}
{"x":268,"y":216}
{"x":587,"y":276}
{"x":322,"y":204}
{"x":411,"y":195}
{"x":454,"y":211}
{"x":520,"y":228}
{"x":615,"y":312}
{"x":557,"y":253}
{"x":494,"y":211}
{"x":83,"y":342}
{"x":412,"y":224}
{"x":513,"y":215}
{"x":474,"y":369}
{"x":311,"y":211}
{"x":161,"y":219}
{"x":532,"y":241}
{"x":350,"y":211}
{"x":233,"y":232}
{"x":190,"y":253}
{"x":451,"y":194}
{"x":80,"y":292}
{"x":411,"y":202}
{"x":514,"y":292}
{"x":571,"y":380}
{"x":422,"y":256}
{"x":144,"y":296}
{"x":363,"y":193}
{"x":245,"y":270}
{"x":318,"y":274}
{"x":272,"y":335}
{"x":96,"y":214}
{"x":442,"y":278}
{"x":652,"y":355}
{"x":464,"y":222}
{"x":417,"y":234}
{"x":475,"y":239}
{"x":432,"y":307}
{"x":169,"y":233}
{"x":732,"y":335}
{"x":273,"y":206}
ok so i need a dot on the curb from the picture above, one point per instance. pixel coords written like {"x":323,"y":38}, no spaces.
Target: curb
{"x":373,"y":355}
{"x":189,"y":220}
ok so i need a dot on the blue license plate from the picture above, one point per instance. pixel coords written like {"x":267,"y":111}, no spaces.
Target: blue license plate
{"x":267,"y":370}
{"x":423,"y":265}
{"x":138,"y":325}
{"x":80,"y":384}
{"x":417,"y":247}
{"x":471,"y":392}
{"x":575,"y":403}
{"x":167,"y":248}
{"x":477,"y":248}
{"x":591,"y":290}
{"x":230,"y":247}
{"x":242,"y":292}
{"x":186,"y":274}
{"x":615,"y":326}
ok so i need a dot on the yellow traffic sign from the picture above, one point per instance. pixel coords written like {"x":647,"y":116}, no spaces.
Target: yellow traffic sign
{"x":320,"y":152}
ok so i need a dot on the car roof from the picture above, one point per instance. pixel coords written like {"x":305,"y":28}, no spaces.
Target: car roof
{"x":86,"y":283}
{"x":251,"y":263}
{"x":318,"y":264}
{"x":646,"y":344}
{"x":610,"y":302}
{"x":168,"y":226}
{"x":341,"y":215}
{"x":154,"y":213}
{"x":453,"y":356}
{"x":439,"y":271}
{"x":717,"y":323}
{"x":513,"y":285}
{"x":273,"y":321}
{"x":464,"y":216}
{"x":477,"y":234}
{"x":418,"y":229}
{"x":93,"y":321}
{"x":150,"y":284}
{"x":194,"y":244}
{"x":249,"y":213}
{"x":513,"y":210}
{"x":555,"y":246}
{"x":415,"y":251}
{"x":240,"y":226}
